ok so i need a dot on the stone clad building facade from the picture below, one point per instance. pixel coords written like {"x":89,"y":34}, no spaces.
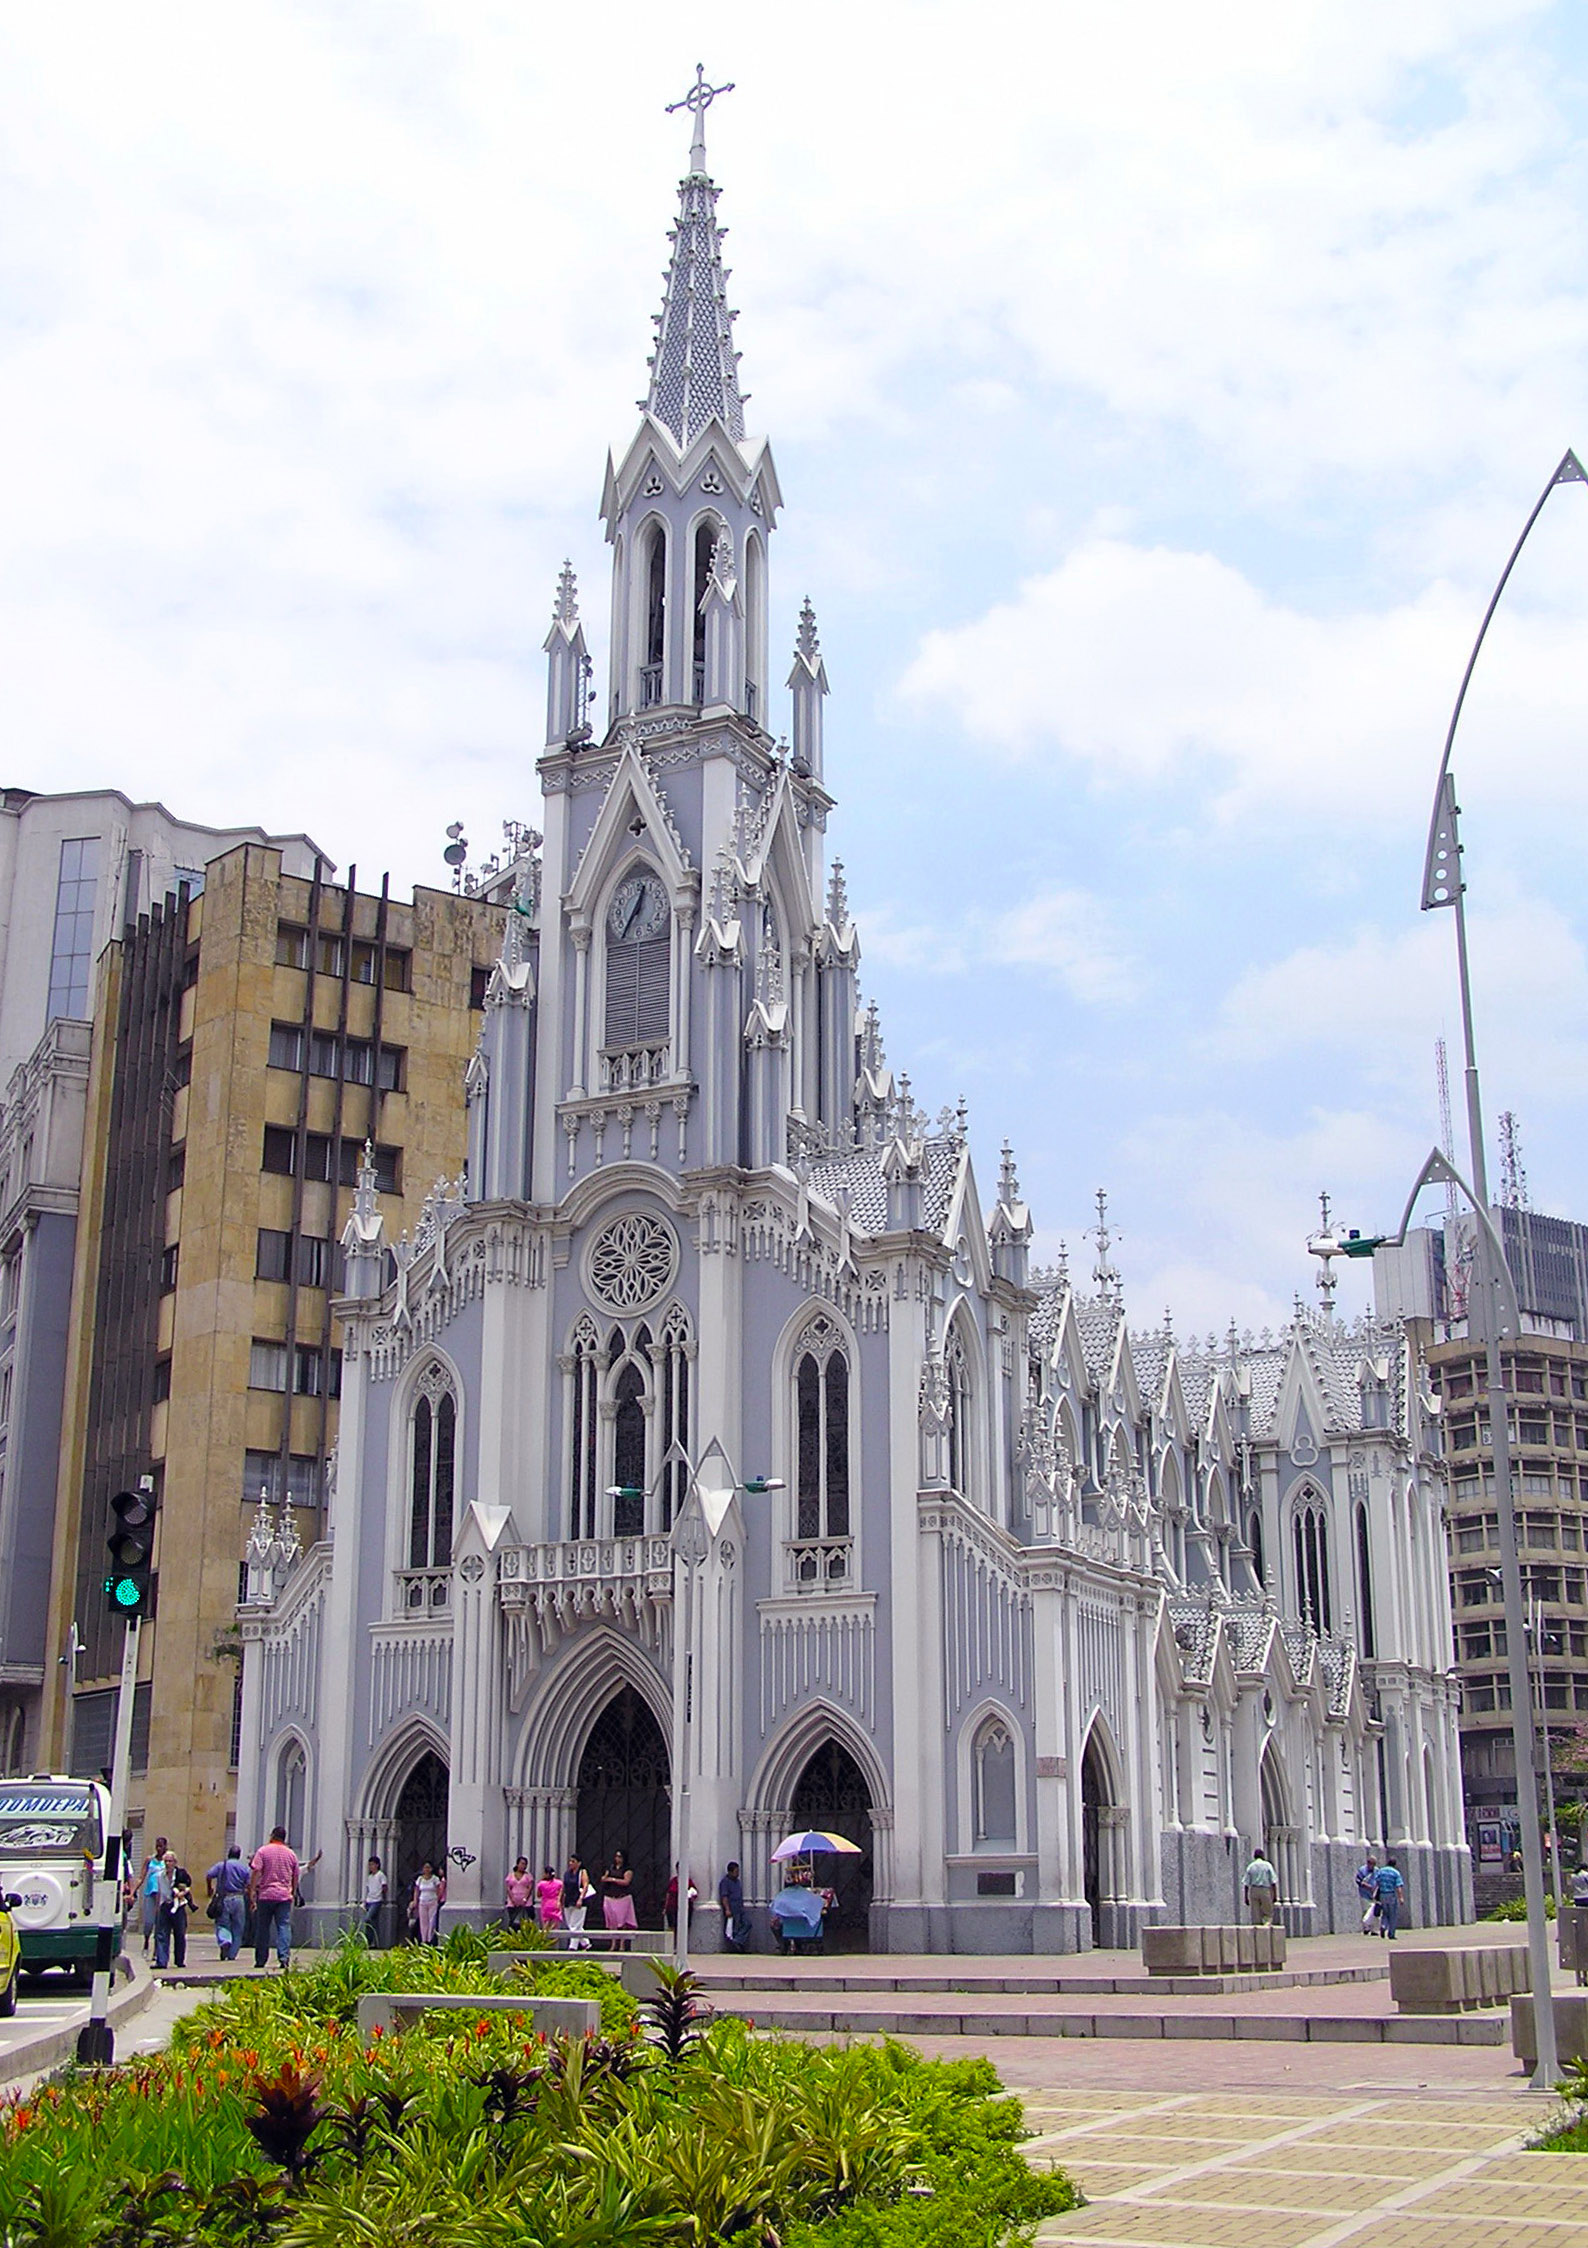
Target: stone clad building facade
{"x":1055,"y":1620}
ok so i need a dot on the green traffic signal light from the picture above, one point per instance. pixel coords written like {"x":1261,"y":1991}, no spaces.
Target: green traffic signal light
{"x":130,"y":1544}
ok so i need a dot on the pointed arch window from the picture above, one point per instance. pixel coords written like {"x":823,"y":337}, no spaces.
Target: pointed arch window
{"x":628,"y":1443}
{"x":1364,"y":1580}
{"x":705,"y":547}
{"x":821,"y":1419}
{"x":1254,"y":1541}
{"x":584,"y":1366}
{"x":432,"y":1473}
{"x":655,"y":637}
{"x":1312,"y":1564}
{"x":957,"y":1368}
{"x":292,"y":1787}
{"x":993,"y":1763}
{"x":671,"y":1355}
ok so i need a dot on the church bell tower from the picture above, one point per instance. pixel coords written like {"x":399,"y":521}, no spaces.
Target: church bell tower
{"x":689,"y":509}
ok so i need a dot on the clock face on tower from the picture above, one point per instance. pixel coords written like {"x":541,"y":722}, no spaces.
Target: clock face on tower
{"x":638,"y":910}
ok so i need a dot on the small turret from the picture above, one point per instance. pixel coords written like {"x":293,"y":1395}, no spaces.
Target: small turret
{"x":808,"y":681}
{"x":567,"y":666}
{"x":363,"y":1237}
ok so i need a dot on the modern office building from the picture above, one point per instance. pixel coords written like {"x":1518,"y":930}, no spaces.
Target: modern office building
{"x":248,"y":1043}
{"x":1546,"y":1382}
{"x":75,"y":868}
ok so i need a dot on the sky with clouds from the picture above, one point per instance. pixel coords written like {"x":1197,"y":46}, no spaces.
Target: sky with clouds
{"x":1156,"y":394}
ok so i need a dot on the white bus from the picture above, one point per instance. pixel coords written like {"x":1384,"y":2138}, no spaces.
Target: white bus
{"x":55,"y":1854}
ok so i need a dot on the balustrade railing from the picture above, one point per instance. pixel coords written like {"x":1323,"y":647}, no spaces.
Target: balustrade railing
{"x":819,"y":1564}
{"x":650,"y":685}
{"x":635,"y":1069}
{"x":424,"y":1592}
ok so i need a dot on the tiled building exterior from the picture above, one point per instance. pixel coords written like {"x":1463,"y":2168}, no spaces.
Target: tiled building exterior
{"x":248,"y":1043}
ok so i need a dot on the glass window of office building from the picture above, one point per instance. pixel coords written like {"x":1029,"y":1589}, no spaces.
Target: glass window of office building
{"x":72,"y":956}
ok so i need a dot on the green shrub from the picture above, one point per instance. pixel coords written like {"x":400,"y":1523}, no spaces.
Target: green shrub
{"x":1515,"y":1908}
{"x":273,"y":2124}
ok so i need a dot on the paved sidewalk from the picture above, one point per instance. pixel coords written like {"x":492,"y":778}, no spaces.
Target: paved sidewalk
{"x":1222,"y":2170}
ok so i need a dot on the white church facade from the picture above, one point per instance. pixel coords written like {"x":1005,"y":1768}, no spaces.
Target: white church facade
{"x":1055,"y":1620}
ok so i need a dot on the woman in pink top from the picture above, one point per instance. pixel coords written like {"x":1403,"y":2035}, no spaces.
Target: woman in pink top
{"x":548,"y":1898}
{"x":520,"y":1888}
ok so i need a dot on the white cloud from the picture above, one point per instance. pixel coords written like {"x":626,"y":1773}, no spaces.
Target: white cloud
{"x":1381,"y":1000}
{"x":1065,"y":935}
{"x":1231,"y":1199}
{"x":1147,"y":664}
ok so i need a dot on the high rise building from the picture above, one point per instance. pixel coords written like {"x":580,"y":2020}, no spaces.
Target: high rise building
{"x":75,"y":870}
{"x":249,"y":1043}
{"x":1546,"y":1386}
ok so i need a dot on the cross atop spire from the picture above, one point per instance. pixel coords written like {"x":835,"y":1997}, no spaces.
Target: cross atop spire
{"x":697,"y":101}
{"x":694,"y":368}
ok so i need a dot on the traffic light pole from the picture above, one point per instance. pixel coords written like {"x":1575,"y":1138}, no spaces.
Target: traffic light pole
{"x":96,"y":2041}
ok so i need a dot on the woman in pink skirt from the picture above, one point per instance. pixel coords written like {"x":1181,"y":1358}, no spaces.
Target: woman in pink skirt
{"x":548,"y":1899}
{"x":617,"y":1896}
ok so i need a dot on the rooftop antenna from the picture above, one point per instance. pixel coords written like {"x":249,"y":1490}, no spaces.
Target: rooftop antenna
{"x":456,"y":852}
{"x":1327,"y":1283}
{"x":1513,"y":1173}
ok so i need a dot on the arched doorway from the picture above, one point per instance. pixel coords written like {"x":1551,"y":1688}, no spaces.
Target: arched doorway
{"x":1094,"y":1794}
{"x":832,"y":1795}
{"x":625,"y":1800}
{"x":421,"y":1827}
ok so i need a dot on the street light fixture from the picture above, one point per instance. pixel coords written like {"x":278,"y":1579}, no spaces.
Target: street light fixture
{"x":1443,"y":886}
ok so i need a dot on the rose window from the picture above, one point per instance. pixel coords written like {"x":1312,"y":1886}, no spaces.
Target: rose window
{"x":632,"y":1262}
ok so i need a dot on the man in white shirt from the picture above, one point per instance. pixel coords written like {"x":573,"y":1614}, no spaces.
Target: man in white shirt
{"x":1260,"y":1888}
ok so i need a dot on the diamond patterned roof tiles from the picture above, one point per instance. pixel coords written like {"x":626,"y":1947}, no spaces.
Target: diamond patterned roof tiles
{"x":695,"y":369}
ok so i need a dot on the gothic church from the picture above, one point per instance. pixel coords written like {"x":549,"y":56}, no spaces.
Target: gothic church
{"x":1055,"y":1620}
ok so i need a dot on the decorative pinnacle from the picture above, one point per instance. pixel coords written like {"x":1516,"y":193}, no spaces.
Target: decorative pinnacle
{"x":1104,"y":1272}
{"x":769,"y":970}
{"x":1008,"y":1179}
{"x":567,"y":609}
{"x":697,"y":101}
{"x":806,"y":643}
{"x":837,"y":896}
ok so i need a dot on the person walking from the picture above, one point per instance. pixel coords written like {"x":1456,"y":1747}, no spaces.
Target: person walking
{"x":174,"y":1914}
{"x":273,"y":1875}
{"x":227,"y":1884}
{"x":735,"y":1923}
{"x":149,"y":1891}
{"x":1260,"y":1888}
{"x":1367,"y":1890}
{"x":430,"y":1894}
{"x":1391,"y":1889}
{"x":164,"y":1900}
{"x":374,"y":1903}
{"x":519,"y":1888}
{"x":617,"y":1898}
{"x":577,"y":1895}
{"x":548,"y":1900}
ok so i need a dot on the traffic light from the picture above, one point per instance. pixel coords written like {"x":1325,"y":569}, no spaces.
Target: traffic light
{"x":130,"y":1544}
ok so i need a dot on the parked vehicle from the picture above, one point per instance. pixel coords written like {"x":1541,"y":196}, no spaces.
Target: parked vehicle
{"x":61,"y":1886}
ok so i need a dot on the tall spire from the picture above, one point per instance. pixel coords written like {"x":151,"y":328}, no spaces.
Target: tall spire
{"x":694,"y":368}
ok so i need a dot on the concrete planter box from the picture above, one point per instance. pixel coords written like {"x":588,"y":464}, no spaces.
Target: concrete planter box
{"x":1213,"y":1951}
{"x":1457,"y":1981}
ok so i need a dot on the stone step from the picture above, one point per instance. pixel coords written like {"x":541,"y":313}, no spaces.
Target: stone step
{"x":969,"y":1982}
{"x":914,"y":2014}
